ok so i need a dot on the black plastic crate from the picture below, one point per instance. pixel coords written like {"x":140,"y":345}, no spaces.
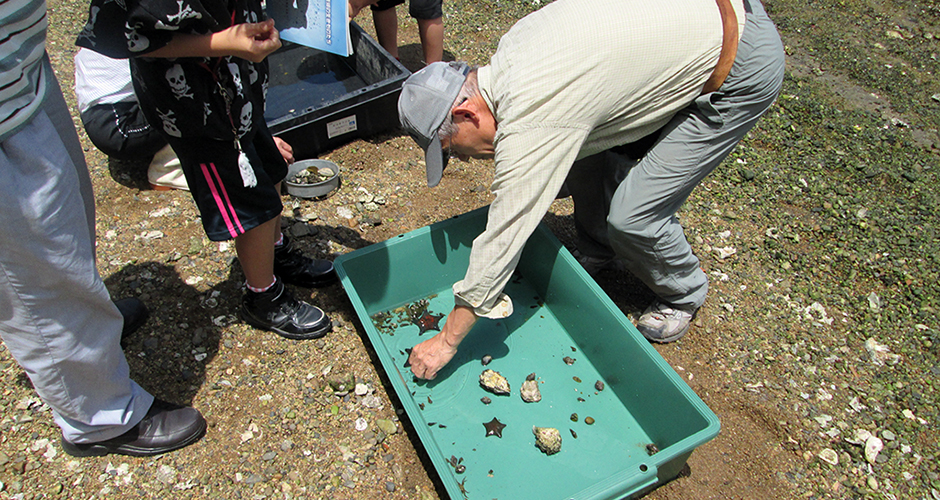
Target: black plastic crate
{"x":317,"y":101}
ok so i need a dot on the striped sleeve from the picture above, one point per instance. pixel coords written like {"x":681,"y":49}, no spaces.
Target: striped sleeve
{"x":22,"y":47}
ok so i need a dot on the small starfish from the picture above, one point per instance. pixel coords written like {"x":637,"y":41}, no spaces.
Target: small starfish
{"x":463,"y":488}
{"x":408,"y":359}
{"x":428,"y":321}
{"x":494,"y":428}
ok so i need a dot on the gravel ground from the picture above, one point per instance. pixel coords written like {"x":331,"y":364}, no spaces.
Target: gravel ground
{"x":817,"y":348}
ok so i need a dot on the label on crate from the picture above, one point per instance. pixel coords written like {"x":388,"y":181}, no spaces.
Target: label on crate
{"x":341,"y":126}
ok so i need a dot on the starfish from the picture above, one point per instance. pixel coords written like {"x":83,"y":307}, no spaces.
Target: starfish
{"x":494,"y":428}
{"x":408,"y":359}
{"x":428,"y":321}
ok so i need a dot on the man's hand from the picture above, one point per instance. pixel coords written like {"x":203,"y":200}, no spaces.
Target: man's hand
{"x":357,"y":5}
{"x":286,"y":150}
{"x":428,"y":357}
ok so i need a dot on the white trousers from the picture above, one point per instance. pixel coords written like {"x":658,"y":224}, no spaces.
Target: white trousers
{"x":56,"y":316}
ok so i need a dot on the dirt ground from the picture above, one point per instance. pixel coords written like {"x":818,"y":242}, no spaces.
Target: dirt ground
{"x":786,"y":381}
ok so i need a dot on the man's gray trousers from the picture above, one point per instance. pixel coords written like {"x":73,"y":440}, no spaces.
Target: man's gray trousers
{"x":635,"y":218}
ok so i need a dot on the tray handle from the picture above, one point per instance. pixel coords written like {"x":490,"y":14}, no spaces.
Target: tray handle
{"x":649,"y":475}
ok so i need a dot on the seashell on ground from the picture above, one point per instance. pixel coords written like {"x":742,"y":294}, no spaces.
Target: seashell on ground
{"x":829,"y":456}
{"x":859,"y":437}
{"x":873,"y":447}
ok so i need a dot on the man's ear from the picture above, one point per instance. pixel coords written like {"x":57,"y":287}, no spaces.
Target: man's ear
{"x":466,"y":110}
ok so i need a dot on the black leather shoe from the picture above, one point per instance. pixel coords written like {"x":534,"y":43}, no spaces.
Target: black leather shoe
{"x":135,"y":314}
{"x":297,"y":269}
{"x":278,"y":311}
{"x":166,"y":427}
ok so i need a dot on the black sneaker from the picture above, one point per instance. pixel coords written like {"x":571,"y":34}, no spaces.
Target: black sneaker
{"x":297,"y":269}
{"x":166,"y":427}
{"x":278,"y":311}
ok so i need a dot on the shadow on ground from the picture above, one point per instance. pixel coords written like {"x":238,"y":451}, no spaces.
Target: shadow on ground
{"x":132,"y":174}
{"x":169,"y":353}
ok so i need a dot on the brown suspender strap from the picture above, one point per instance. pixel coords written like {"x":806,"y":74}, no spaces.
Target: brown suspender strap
{"x":729,"y":46}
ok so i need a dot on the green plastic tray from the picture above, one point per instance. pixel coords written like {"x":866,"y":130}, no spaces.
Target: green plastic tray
{"x":559,"y":312}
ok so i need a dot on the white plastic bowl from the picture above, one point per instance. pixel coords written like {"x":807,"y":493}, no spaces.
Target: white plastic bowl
{"x":314,"y":190}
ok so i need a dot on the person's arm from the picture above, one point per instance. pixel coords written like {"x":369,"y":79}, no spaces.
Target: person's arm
{"x":251,"y":41}
{"x":530,"y":168}
{"x":286,"y":150}
{"x":428,"y":357}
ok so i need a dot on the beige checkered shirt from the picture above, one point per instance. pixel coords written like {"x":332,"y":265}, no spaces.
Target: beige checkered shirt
{"x":570,"y":80}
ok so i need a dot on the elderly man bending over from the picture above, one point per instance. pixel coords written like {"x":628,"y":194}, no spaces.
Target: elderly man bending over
{"x":688,"y":77}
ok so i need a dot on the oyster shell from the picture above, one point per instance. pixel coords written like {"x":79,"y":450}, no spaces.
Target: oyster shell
{"x":873,"y":447}
{"x":530,"y":390}
{"x":494,"y":382}
{"x":548,"y":439}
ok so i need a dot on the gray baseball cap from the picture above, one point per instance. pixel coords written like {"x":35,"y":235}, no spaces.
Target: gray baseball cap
{"x":426,"y":99}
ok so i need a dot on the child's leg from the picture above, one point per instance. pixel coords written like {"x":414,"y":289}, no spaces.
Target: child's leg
{"x":292,"y":266}
{"x":255,"y":249}
{"x":121,"y":130}
{"x":288,"y":261}
{"x":430,"y":17}
{"x":386,"y":29}
{"x":431,"y":32}
{"x":249,"y":215}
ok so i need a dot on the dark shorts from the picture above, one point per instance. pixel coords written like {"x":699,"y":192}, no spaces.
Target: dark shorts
{"x":121,"y":130}
{"x":226,"y":206}
{"x":418,"y":9}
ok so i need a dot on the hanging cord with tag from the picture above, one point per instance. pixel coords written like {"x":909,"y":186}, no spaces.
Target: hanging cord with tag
{"x":244,"y":165}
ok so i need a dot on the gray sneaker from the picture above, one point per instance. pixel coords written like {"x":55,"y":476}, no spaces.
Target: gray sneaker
{"x":663,"y":323}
